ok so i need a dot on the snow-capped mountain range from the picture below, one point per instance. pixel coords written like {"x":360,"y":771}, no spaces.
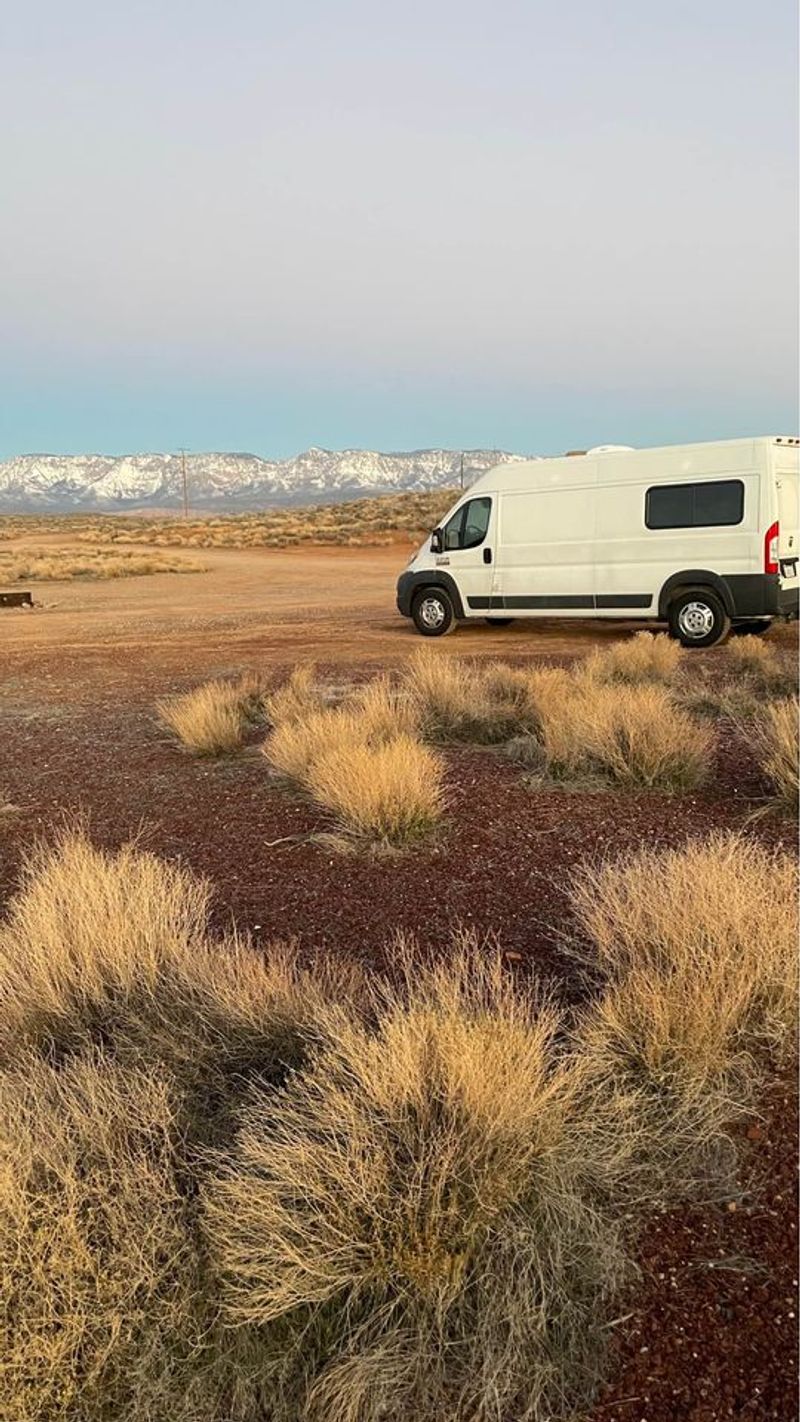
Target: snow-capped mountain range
{"x":64,"y":483}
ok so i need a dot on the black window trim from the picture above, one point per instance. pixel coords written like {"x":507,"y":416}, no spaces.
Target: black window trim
{"x":694,"y":485}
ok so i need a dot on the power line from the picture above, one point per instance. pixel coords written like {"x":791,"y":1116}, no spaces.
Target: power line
{"x":185,"y":484}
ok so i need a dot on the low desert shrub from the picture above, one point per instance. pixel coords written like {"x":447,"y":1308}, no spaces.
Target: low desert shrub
{"x":462,"y":701}
{"x":761,"y":664}
{"x":107,"y":1314}
{"x":698,"y":946}
{"x":112,"y":950}
{"x":639,"y":660}
{"x":362,"y":761}
{"x":40,"y":565}
{"x":212,"y":718}
{"x":622,"y":735}
{"x":774,"y":735}
{"x":297,"y":697}
{"x":390,"y":791}
{"x":408,"y":1216}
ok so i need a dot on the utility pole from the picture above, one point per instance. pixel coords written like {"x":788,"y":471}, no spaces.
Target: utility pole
{"x":185,"y":484}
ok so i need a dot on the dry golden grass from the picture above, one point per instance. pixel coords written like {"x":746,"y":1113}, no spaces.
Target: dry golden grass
{"x":40,"y":565}
{"x":390,"y":792}
{"x":212,"y":718}
{"x":409,"y":1197}
{"x":774,"y":735}
{"x":297,"y":697}
{"x":459,"y":700}
{"x":637,"y":661}
{"x":593,"y":723}
{"x":104,"y":1316}
{"x":363,"y":761}
{"x":409,"y":1213}
{"x":113,"y":949}
{"x":624,"y":735}
{"x":699,"y":949}
{"x":357,"y":523}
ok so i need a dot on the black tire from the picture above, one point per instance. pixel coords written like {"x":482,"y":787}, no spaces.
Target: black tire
{"x":697,"y":618}
{"x":756,"y":628}
{"x":433,"y":612}
{"x":499,"y":621}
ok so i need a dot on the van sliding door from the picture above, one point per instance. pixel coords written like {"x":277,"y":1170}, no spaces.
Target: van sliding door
{"x":545,"y":551}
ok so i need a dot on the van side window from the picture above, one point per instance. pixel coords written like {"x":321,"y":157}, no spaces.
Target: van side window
{"x":467,"y":528}
{"x":694,"y":505}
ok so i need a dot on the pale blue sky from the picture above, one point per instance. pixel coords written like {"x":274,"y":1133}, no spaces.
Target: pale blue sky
{"x":260,"y":226}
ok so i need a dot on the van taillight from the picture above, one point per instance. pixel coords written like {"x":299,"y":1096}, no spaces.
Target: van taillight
{"x":771,"y":548}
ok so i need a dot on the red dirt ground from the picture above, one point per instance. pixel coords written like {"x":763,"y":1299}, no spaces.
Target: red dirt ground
{"x":712,"y":1325}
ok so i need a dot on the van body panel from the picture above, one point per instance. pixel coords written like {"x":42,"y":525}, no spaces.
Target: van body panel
{"x":545,"y":549}
{"x":615,"y":533}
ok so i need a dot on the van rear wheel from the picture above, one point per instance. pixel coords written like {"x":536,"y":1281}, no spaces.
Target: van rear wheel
{"x":433,"y":612}
{"x":697,"y":618}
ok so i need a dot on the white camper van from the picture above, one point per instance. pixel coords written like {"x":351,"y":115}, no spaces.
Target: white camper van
{"x":698,"y":536}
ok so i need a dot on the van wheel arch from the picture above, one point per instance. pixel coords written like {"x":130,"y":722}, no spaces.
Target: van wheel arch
{"x":694,"y":579}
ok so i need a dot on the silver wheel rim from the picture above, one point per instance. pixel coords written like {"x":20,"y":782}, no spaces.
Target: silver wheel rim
{"x":696,"y":620}
{"x":431,"y":612}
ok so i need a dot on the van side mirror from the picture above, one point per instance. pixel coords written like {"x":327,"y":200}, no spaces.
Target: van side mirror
{"x":436,"y":541}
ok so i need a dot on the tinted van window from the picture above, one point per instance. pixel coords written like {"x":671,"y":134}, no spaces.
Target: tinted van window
{"x":467,"y":528}
{"x":702,"y":505}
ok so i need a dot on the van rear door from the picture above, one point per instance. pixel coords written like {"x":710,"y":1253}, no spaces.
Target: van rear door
{"x":787,"y":484}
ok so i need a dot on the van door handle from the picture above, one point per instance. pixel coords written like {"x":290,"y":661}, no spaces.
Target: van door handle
{"x":487,"y":555}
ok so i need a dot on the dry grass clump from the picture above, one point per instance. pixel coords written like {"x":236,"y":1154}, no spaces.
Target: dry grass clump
{"x":761,"y":672}
{"x":39,"y":565}
{"x":459,"y":700}
{"x":104,"y":1311}
{"x":363,"y":761}
{"x":617,"y":734}
{"x":698,"y":946}
{"x":112,"y":949}
{"x":411,"y":1214}
{"x":212,"y":718}
{"x":297,"y":697}
{"x":390,"y":791}
{"x":641,"y":659}
{"x":774,"y":735}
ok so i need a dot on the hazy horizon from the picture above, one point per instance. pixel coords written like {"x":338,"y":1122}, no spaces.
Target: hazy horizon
{"x":263,"y":228}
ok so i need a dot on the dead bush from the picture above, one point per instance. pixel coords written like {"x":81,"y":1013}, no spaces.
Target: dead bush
{"x":112,"y":949}
{"x":390,"y":792}
{"x":623,"y":735}
{"x":362,"y":761}
{"x":412,"y":1214}
{"x":212,"y":718}
{"x":774,"y":736}
{"x":109,"y":1315}
{"x":462,"y":701}
{"x":639,"y":660}
{"x":298,"y":697}
{"x":47,"y":565}
{"x":699,"y":949}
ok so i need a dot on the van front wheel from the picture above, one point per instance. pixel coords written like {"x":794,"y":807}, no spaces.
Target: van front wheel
{"x":698,"y":619}
{"x":433,"y":612}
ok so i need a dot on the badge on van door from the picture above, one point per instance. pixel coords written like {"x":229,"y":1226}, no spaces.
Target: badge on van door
{"x":443,"y":562}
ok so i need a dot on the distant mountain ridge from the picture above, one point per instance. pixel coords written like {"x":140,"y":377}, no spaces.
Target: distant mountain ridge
{"x":99,"y":483}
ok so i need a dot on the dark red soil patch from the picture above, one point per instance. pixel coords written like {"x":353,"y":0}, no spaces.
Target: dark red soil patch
{"x":710,"y":1337}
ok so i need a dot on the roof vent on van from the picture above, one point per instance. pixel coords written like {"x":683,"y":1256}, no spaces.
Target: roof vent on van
{"x":610,"y":449}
